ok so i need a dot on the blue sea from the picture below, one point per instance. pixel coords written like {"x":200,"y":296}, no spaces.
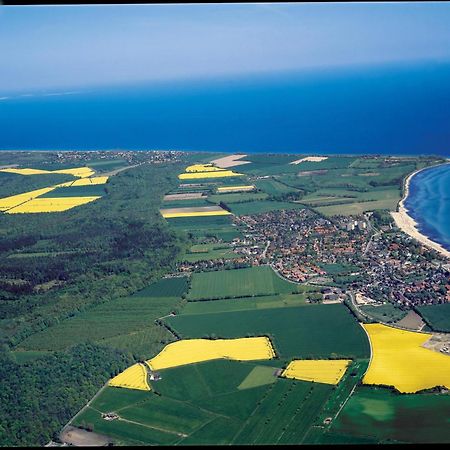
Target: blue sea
{"x":384,"y":110}
{"x":428,"y":203}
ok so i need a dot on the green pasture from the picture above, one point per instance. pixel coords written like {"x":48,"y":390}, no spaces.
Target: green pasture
{"x":316,"y":331}
{"x":436,"y":316}
{"x":251,"y":303}
{"x":380,"y":413}
{"x":257,"y":207}
{"x":384,"y":313}
{"x":238,"y":283}
{"x":238,"y":197}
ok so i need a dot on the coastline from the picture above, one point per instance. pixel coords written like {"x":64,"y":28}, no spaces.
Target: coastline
{"x":409,"y":226}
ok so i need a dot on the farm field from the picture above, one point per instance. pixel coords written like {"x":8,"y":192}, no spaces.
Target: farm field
{"x":261,"y":206}
{"x":249,"y":303}
{"x":274,"y":187}
{"x":436,"y":316}
{"x":315,"y":331}
{"x":197,"y":350}
{"x":317,"y":370}
{"x":238,"y":283}
{"x":135,"y":377}
{"x":285,"y":414}
{"x":384,"y":313}
{"x":221,"y":252}
{"x":386,"y":416}
{"x":241,"y":356}
{"x":220,"y":401}
{"x":399,"y":360}
{"x":43,"y":205}
{"x":242,"y":197}
{"x":350,"y":209}
{"x":88,"y":190}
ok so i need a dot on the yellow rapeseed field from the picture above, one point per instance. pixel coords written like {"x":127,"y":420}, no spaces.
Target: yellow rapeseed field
{"x":320,"y":370}
{"x":25,"y":171}
{"x":15,"y":200}
{"x":203,"y":168}
{"x":194,"y":214}
{"x":399,"y":360}
{"x":135,"y":377}
{"x":212,"y":174}
{"x":191,"y":351}
{"x":235,"y":188}
{"x":41,"y":205}
{"x":89,"y":181}
{"x":80,"y":172}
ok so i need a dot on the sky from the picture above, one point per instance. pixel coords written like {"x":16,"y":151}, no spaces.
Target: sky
{"x":49,"y":48}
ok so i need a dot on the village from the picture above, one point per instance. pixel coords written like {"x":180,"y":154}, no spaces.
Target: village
{"x":345,"y":253}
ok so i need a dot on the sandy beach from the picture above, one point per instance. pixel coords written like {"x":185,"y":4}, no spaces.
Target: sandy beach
{"x":407,"y":224}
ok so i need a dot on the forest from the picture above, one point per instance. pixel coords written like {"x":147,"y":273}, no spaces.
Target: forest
{"x":55,"y":265}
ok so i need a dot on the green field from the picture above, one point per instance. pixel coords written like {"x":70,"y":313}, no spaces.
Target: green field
{"x":248,"y":303}
{"x":351,"y":209}
{"x":274,"y":187}
{"x":215,"y":402}
{"x":384,"y":313}
{"x":316,"y":331}
{"x":238,"y":283}
{"x":205,"y":252}
{"x":190,"y":203}
{"x":285,"y":414}
{"x":166,"y":287}
{"x":199,"y":222}
{"x":379,"y":413}
{"x":436,"y":316}
{"x":257,"y":207}
{"x":190,"y":403}
{"x":77,"y":191}
{"x":339,"y":269}
{"x":238,"y":197}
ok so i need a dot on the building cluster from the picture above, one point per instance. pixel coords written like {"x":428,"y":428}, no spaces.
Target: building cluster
{"x":299,"y":244}
{"x":398,"y":270}
{"x":131,"y":157}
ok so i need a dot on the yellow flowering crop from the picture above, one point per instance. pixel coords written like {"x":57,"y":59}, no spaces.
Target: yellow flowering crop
{"x":89,"y":181}
{"x":321,"y":370}
{"x":41,"y":205}
{"x":25,"y":171}
{"x":191,"y":351}
{"x":235,"y":188}
{"x":213,"y":174}
{"x":203,"y":168}
{"x":399,"y":360}
{"x":15,"y":200}
{"x":80,"y":172}
{"x":135,"y":377}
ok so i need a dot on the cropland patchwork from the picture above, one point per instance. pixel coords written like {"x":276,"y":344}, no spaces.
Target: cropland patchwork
{"x":263,"y":325}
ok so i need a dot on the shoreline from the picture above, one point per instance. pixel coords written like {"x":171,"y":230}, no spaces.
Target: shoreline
{"x":408,"y":224}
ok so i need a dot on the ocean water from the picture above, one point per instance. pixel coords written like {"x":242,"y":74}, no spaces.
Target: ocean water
{"x":428,"y":203}
{"x":386,"y":110}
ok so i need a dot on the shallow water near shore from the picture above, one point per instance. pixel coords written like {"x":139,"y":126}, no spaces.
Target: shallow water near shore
{"x":428,"y":203}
